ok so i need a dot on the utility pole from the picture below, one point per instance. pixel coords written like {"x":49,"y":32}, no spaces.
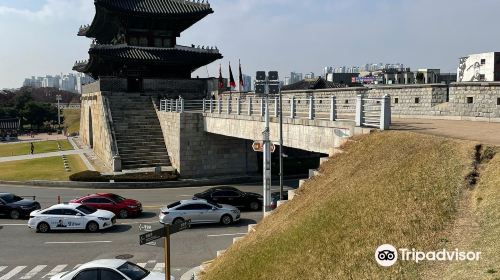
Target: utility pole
{"x":281,"y":142}
{"x":266,"y":85}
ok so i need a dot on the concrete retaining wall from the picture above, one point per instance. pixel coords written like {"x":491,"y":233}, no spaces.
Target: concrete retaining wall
{"x":195,"y":153}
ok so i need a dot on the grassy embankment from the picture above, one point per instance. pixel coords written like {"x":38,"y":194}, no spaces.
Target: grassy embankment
{"x":40,"y":169}
{"x":7,"y":150}
{"x":399,"y":188}
{"x":71,"y":120}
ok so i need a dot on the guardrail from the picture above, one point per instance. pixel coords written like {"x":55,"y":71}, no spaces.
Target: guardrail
{"x":369,"y":112}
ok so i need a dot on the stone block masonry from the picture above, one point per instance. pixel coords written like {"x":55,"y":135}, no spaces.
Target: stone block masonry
{"x":196,"y":153}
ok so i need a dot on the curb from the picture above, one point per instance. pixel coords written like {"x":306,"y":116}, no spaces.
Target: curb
{"x":144,"y":185}
{"x":192,"y":272}
{"x":138,"y":185}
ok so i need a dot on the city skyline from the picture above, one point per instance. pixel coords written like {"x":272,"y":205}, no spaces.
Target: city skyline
{"x":39,"y":36}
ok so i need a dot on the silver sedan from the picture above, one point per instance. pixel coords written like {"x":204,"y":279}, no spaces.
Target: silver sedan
{"x":199,"y":211}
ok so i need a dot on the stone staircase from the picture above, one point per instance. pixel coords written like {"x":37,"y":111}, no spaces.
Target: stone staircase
{"x":138,"y":133}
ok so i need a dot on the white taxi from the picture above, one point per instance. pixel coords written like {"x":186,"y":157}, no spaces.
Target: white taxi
{"x":71,"y":216}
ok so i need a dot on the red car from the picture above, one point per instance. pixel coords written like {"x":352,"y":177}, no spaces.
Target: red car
{"x":122,"y":207}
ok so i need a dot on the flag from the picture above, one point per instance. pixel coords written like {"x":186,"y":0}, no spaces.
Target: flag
{"x":221,"y":80}
{"x":232,"y":83}
{"x":242,"y":83}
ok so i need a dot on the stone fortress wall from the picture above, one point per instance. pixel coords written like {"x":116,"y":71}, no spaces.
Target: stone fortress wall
{"x":460,"y":101}
{"x":95,"y":130}
{"x":196,"y":153}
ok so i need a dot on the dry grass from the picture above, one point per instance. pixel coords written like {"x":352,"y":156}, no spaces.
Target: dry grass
{"x":18,"y":149}
{"x":393,"y":187}
{"x":51,"y":168}
{"x":478,"y":230}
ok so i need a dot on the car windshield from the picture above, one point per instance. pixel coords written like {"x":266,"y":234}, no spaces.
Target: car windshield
{"x":174,"y":204}
{"x":10,"y":198}
{"x":117,"y":198}
{"x":85,"y":209}
{"x":134,"y":272}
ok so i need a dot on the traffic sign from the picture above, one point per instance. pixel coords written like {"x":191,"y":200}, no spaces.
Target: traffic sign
{"x":151,"y":236}
{"x":180,"y":227}
{"x":258,"y":146}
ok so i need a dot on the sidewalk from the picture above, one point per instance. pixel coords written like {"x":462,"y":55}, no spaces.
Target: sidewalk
{"x":483,"y":132}
{"x":45,"y":155}
{"x":37,"y":138}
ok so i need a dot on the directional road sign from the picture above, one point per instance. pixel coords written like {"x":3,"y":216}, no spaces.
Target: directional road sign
{"x":180,"y":227}
{"x":151,"y":236}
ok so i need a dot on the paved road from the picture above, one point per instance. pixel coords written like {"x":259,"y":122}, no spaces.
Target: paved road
{"x":484,"y":132}
{"x":25,"y":254}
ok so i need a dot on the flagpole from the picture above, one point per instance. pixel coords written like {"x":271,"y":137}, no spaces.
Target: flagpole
{"x":239,"y":85}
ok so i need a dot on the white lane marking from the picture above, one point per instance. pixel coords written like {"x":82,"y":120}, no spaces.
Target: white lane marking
{"x":2,"y":268}
{"x":136,"y":223}
{"x":33,"y":272}
{"x":79,"y":242}
{"x":159,"y":267}
{"x":227,"y":234}
{"x":143,"y":265}
{"x":55,"y":270}
{"x":13,"y":272}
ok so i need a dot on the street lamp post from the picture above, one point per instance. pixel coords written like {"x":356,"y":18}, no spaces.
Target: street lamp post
{"x":58,"y":98}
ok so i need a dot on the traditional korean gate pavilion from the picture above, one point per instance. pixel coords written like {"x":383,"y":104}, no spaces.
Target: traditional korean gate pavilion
{"x":136,"y":60}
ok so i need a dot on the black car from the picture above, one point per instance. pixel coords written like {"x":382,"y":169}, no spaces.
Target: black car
{"x":17,"y":207}
{"x":232,"y":196}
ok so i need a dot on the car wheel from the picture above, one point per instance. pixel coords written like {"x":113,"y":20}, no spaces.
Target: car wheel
{"x":177,"y":221}
{"x":14,"y":214}
{"x":92,"y":227}
{"x":123,"y":214}
{"x":254,"y":206}
{"x":43,"y":227}
{"x":226,"y":220}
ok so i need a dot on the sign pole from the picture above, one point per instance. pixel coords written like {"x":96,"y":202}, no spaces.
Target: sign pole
{"x":267,"y":159}
{"x":166,"y":252}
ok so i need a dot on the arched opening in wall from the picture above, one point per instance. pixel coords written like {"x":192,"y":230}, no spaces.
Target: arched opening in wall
{"x":295,"y":161}
{"x":91,"y":130}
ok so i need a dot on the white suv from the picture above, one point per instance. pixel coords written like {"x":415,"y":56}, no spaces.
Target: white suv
{"x":199,"y":212}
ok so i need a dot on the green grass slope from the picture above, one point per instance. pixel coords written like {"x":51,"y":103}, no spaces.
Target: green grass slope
{"x":393,"y":187}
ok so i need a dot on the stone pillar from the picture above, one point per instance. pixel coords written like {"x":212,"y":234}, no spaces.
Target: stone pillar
{"x":333,"y":109}
{"x":292,"y":107}
{"x":360,"y":115}
{"x":311,"y":107}
{"x":385,"y":114}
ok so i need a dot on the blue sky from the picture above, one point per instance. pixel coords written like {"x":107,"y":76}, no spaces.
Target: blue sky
{"x":39,"y":36}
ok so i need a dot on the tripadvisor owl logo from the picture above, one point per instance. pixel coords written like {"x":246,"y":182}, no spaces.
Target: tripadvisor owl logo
{"x":386,"y":255}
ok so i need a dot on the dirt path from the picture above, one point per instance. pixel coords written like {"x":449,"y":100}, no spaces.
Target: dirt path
{"x":486,"y":133}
